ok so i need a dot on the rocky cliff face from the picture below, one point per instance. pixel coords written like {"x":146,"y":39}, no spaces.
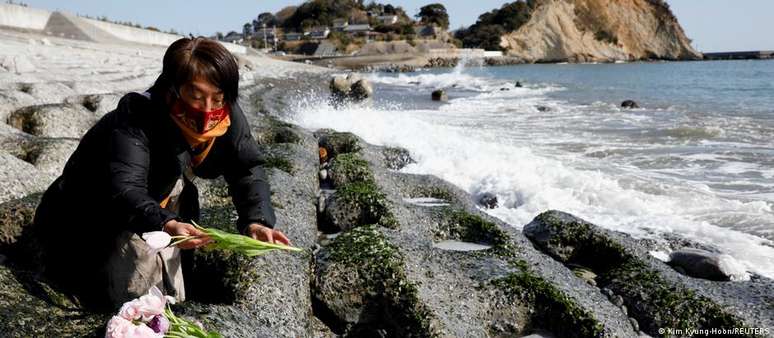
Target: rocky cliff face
{"x":599,"y":30}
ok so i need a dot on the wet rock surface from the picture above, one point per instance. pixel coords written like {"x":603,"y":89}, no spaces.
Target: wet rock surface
{"x":372,"y":264}
{"x":653,"y":293}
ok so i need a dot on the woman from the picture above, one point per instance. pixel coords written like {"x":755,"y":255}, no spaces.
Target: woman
{"x":133,"y":173}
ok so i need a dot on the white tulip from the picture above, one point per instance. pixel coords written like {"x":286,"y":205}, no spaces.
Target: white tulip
{"x":156,"y":240}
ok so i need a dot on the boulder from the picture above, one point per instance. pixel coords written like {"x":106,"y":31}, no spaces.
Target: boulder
{"x":53,"y":120}
{"x":488,"y":200}
{"x":356,"y":204}
{"x":99,"y":104}
{"x":629,"y":104}
{"x":350,"y":88}
{"x":518,"y":84}
{"x":707,"y":265}
{"x":440,"y":95}
{"x":20,"y":178}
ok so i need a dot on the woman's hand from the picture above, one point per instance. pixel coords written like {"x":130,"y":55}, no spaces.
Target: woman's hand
{"x":266,"y":234}
{"x":176,"y":228}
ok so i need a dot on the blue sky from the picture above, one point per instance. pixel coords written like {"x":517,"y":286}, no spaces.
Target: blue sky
{"x":714,"y":25}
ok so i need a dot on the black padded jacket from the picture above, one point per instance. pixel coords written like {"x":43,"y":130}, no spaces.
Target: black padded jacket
{"x":130,"y":160}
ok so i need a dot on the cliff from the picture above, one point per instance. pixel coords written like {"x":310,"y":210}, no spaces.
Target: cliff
{"x":599,"y":30}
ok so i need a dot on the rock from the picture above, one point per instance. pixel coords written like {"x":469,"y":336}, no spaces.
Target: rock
{"x":336,"y":143}
{"x":53,"y":120}
{"x":629,"y":104}
{"x":542,"y":109}
{"x":707,"y":265}
{"x":20,"y":178}
{"x":518,"y":84}
{"x":488,"y":200}
{"x":362,"y":90}
{"x":361,"y":280}
{"x":350,"y":88}
{"x":554,"y":231}
{"x":99,"y":104}
{"x":579,"y":31}
{"x":504,"y":89}
{"x":356,"y":204}
{"x":644,"y":283}
{"x":49,"y":155}
{"x":396,"y":158}
{"x":15,"y":217}
{"x":440,"y":95}
{"x":29,"y":308}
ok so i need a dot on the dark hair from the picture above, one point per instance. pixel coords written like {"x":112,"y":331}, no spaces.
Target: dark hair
{"x":189,"y":58}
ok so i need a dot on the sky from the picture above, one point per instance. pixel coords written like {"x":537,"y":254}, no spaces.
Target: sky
{"x":714,"y":25}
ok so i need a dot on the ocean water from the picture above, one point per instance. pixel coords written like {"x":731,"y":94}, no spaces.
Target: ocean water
{"x":696,"y":160}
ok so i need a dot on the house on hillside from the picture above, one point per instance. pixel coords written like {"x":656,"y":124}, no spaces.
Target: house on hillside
{"x":319,"y":33}
{"x":233,"y":37}
{"x":360,"y":29}
{"x":339,"y":25}
{"x":387,"y":19}
{"x":294,"y":36}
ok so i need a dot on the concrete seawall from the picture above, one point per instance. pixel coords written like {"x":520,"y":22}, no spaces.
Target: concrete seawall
{"x":73,"y":27}
{"x":23,"y":17}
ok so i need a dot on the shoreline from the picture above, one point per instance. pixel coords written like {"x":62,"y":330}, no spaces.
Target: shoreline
{"x":362,"y":219}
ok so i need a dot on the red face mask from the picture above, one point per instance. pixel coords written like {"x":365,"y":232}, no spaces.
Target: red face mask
{"x":199,"y":120}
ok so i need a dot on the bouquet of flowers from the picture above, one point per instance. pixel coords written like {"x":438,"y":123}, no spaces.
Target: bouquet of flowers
{"x":158,"y":240}
{"x":150,"y":316}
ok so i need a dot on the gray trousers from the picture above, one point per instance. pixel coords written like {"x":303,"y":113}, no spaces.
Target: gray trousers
{"x":132,"y":270}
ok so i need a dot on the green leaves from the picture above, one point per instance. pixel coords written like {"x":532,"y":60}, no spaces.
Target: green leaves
{"x":238,"y":243}
{"x":181,"y":328}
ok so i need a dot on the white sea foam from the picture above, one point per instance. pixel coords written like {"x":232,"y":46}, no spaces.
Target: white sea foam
{"x":496,"y":142}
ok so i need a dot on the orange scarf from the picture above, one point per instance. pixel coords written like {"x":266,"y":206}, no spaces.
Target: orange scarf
{"x":201,"y":143}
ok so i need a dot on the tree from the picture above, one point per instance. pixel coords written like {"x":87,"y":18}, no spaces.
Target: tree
{"x":247,"y":30}
{"x":266,"y":18}
{"x":434,"y":14}
{"x":486,"y":32}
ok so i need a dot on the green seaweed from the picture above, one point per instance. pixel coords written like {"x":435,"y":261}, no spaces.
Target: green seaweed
{"x":372,"y":202}
{"x":350,"y":167}
{"x":381,"y":272}
{"x":468,"y":227}
{"x":553,"y":308}
{"x":280,"y":163}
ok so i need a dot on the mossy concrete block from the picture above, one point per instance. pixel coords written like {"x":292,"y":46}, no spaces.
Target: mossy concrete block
{"x":274,"y":131}
{"x":551,"y":307}
{"x":348,"y":168}
{"x":467,"y":227}
{"x":15,"y":216}
{"x":338,"y":142}
{"x":558,"y":234}
{"x":53,"y":120}
{"x":653,"y":298}
{"x":23,"y":313}
{"x":361,"y":279}
{"x":356,"y":204}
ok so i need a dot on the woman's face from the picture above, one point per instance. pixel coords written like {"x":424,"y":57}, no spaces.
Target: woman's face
{"x":202,"y":95}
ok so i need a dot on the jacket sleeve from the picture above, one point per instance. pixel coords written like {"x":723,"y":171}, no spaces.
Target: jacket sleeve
{"x":247,"y":180}
{"x":129,"y":164}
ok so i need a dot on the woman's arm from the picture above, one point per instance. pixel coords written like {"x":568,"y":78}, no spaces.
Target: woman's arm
{"x":246,"y":178}
{"x":129,"y":163}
